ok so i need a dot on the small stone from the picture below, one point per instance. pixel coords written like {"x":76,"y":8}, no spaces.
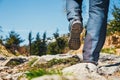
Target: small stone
{"x":8,"y":77}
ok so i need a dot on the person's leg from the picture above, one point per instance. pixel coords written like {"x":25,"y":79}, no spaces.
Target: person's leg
{"x":73,"y":8}
{"x":95,"y":30}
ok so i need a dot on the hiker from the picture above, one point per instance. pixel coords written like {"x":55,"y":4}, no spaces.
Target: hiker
{"x":95,"y":29}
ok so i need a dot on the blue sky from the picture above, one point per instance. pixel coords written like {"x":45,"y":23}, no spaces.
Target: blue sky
{"x":24,"y":16}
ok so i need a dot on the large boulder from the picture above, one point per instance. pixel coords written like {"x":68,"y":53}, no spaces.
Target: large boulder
{"x":83,"y":71}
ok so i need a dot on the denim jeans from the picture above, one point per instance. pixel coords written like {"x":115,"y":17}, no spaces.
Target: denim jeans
{"x":96,"y":25}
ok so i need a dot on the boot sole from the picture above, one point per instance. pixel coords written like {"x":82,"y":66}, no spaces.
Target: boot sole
{"x":74,"y":41}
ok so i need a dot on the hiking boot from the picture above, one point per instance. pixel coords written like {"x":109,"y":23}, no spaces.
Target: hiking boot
{"x":93,"y":62}
{"x":75,"y":30}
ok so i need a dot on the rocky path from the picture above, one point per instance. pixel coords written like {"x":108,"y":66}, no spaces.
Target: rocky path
{"x":14,"y":68}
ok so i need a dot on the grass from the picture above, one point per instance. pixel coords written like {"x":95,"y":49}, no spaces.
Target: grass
{"x":48,"y":69}
{"x":53,"y":62}
{"x":13,"y":63}
{"x":109,"y":50}
{"x":40,"y":72}
{"x":32,"y":61}
{"x":53,"y":66}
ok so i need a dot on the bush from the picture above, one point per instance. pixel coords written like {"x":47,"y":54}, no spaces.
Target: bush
{"x":40,"y":72}
{"x":58,"y":47}
{"x":109,"y":50}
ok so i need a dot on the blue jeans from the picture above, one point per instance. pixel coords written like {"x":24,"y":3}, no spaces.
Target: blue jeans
{"x":96,"y":25}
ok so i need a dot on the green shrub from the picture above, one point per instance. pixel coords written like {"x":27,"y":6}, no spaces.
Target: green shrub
{"x":13,"y":63}
{"x":57,"y":47}
{"x":109,"y":50}
{"x":69,"y":61}
{"x":40,"y":72}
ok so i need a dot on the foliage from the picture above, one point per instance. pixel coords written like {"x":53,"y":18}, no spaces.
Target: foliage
{"x":35,"y":45}
{"x":62,"y":43}
{"x":40,"y":72}
{"x":59,"y":45}
{"x":30,"y":38}
{"x":48,"y":69}
{"x":109,"y":50}
{"x":1,"y":37}
{"x":43,"y":46}
{"x":13,"y":41}
{"x":68,"y":61}
{"x":56,"y":34}
{"x":15,"y":61}
{"x":39,"y":46}
{"x":114,"y":25}
{"x":71,"y":61}
{"x":53,"y":48}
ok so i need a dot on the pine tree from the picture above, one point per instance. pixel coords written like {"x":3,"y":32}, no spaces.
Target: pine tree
{"x":39,"y":46}
{"x":13,"y":41}
{"x":30,"y":38}
{"x":35,"y":46}
{"x":1,"y":37}
{"x":114,"y":25}
{"x":43,"y":46}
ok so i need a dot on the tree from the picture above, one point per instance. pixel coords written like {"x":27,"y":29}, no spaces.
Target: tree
{"x":53,"y":48}
{"x":59,"y":45}
{"x":56,"y":34}
{"x":43,"y":46}
{"x":39,"y":46}
{"x":30,"y":38}
{"x":35,"y":46}
{"x":114,"y":25}
{"x":13,"y":41}
{"x":1,"y":37}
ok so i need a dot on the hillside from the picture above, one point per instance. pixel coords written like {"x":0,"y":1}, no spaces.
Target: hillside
{"x":4,"y":52}
{"x":67,"y":66}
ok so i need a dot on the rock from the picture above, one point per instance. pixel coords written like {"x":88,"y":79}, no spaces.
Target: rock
{"x":108,"y":70}
{"x":32,"y":57}
{"x":14,"y":61}
{"x":107,"y":59}
{"x":56,"y":77}
{"x":14,"y":70}
{"x":5,"y":62}
{"x":3,"y":68}
{"x":108,"y":67}
{"x":49,"y":77}
{"x":114,"y":78}
{"x":1,"y":78}
{"x":58,"y":56}
{"x":80,"y":68}
{"x":40,"y":60}
{"x":83,"y":71}
{"x":8,"y":77}
{"x":2,"y":58}
{"x":17,"y":75}
{"x":2,"y":74}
